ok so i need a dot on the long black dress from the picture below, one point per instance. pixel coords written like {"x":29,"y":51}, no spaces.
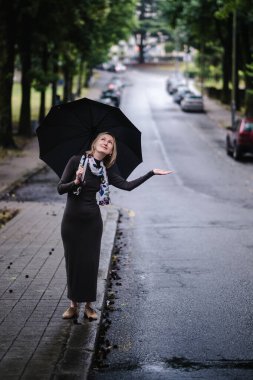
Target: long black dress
{"x":82,"y":228}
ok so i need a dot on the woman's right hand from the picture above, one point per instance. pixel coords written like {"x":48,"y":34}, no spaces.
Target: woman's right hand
{"x":79,"y":173}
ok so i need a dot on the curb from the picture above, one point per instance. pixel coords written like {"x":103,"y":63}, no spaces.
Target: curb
{"x":79,"y":350}
{"x":21,"y":179}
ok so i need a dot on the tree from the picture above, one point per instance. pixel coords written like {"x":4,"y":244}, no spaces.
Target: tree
{"x":209,"y":24}
{"x":8,"y":15}
{"x":72,"y":37}
{"x":244,"y":15}
{"x":26,"y":22}
{"x":149,"y":23}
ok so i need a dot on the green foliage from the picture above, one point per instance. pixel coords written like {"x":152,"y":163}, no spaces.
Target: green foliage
{"x":169,"y":46}
{"x":207,"y":26}
{"x":55,"y":38}
{"x":249,"y":73}
{"x":150,"y":23}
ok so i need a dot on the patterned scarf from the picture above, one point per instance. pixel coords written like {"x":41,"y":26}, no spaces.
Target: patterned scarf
{"x":104,"y":198}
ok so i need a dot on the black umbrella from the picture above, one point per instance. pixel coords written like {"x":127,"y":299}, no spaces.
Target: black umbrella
{"x":70,"y":128}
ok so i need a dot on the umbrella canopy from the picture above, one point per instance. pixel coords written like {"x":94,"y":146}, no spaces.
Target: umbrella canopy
{"x":70,"y":128}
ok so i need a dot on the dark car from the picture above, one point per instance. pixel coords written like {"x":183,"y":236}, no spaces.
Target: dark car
{"x":174,"y":83}
{"x":181,"y":93}
{"x":108,"y":101}
{"x":115,"y":84}
{"x":117,"y":67}
{"x":176,"y":86}
{"x":114,"y":95}
{"x":239,"y":140}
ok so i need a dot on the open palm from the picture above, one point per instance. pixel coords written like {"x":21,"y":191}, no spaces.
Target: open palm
{"x":162,"y":172}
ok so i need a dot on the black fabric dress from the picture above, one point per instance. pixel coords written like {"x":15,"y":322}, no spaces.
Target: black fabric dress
{"x":82,"y":228}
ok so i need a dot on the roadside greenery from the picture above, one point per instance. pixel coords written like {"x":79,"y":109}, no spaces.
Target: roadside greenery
{"x":6,"y":215}
{"x":150,"y":24}
{"x":48,"y":41}
{"x":207,"y":27}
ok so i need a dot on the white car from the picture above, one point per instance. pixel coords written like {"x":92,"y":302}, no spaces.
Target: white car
{"x":192,"y":102}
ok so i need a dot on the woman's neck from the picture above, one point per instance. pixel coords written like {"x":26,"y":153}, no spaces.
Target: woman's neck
{"x":99,"y":156}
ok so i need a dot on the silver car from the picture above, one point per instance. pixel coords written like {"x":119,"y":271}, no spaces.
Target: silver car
{"x":192,"y":102}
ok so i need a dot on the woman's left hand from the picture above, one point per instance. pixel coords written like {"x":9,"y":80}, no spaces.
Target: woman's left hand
{"x":162,"y":172}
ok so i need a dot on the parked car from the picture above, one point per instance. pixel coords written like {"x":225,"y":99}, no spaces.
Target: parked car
{"x":119,"y":81}
{"x":117,"y":67}
{"x":181,"y":93}
{"x":239,"y":140}
{"x":169,"y":83}
{"x":115,"y":84}
{"x":106,"y":100}
{"x":174,"y":84}
{"x":103,"y":66}
{"x":192,"y":102}
{"x":114,"y":95}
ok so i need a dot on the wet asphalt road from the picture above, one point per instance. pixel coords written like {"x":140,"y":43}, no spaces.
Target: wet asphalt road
{"x":184,"y":310}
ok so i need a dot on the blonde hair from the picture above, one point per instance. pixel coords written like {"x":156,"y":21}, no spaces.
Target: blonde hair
{"x":109,"y":159}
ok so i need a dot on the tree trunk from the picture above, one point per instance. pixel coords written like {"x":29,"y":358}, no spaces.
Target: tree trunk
{"x":141,"y":47}
{"x":7,"y":57}
{"x":25,"y":58}
{"x":249,"y":103}
{"x":54,"y":92}
{"x":226,"y":74}
{"x":67,"y":83}
{"x":89,"y":73}
{"x":55,"y":99}
{"x":80,"y":78}
{"x":237,"y":79}
{"x":71,"y":95}
{"x":42,"y":112}
{"x":245,"y":45}
{"x":142,"y":32}
{"x":224,"y":32}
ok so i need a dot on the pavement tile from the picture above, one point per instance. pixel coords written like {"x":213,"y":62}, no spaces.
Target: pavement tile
{"x":34,"y":338}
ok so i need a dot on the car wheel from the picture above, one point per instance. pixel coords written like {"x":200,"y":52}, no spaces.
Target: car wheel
{"x":228,"y":149}
{"x":237,"y":153}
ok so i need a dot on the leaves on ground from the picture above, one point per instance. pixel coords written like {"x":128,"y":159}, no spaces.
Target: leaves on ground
{"x":6,"y":215}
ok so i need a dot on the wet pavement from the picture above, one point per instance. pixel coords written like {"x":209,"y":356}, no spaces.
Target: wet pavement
{"x":184,"y":309}
{"x":41,"y":187}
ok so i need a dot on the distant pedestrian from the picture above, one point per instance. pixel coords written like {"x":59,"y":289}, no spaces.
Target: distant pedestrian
{"x":85,"y":176}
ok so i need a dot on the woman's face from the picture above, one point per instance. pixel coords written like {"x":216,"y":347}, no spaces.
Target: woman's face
{"x":105,"y":144}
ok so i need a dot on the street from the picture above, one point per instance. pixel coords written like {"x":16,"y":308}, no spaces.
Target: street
{"x":184,"y":309}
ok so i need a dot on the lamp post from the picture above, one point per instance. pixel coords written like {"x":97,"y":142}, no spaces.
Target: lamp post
{"x":233,"y":93}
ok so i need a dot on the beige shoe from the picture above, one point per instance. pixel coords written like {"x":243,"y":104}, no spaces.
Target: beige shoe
{"x":90,"y":313}
{"x":71,"y":312}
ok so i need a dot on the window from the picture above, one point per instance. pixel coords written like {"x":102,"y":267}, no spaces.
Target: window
{"x":248,"y":127}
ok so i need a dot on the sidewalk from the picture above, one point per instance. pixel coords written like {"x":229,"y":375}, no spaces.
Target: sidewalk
{"x":215,"y":110}
{"x":35,"y":343}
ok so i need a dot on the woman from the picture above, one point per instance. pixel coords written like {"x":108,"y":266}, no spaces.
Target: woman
{"x":82,"y":225}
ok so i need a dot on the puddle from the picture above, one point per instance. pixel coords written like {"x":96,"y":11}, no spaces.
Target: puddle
{"x":188,"y":365}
